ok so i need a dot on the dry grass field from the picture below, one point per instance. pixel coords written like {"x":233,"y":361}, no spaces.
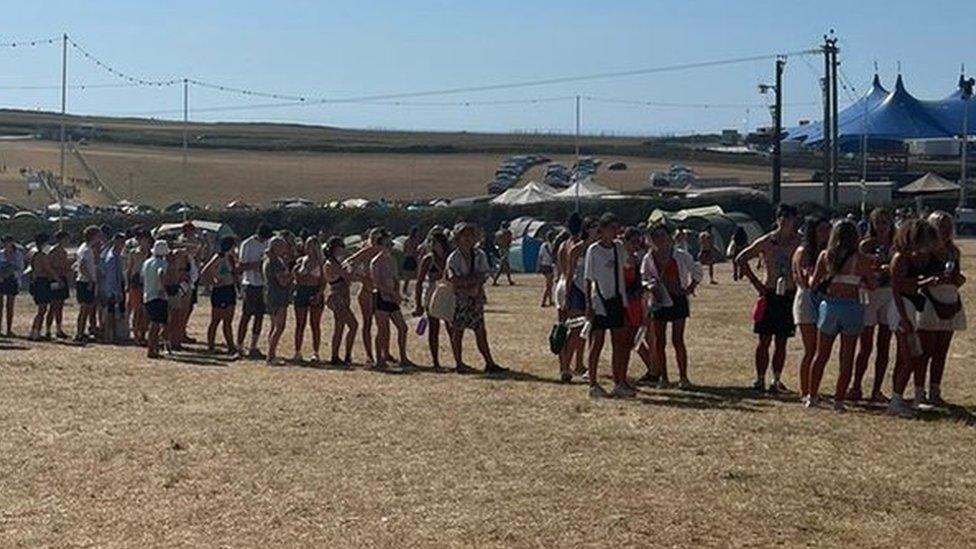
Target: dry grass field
{"x":216,"y":177}
{"x":102,"y":448}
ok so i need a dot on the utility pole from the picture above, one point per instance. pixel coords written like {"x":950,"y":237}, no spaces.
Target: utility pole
{"x":834,"y":151}
{"x":825,"y":142}
{"x":186,"y":118}
{"x":777,"y":132}
{"x":967,"y":95}
{"x":577,"y":146}
{"x":64,"y":110}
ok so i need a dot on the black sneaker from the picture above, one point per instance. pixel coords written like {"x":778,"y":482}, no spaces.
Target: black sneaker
{"x":494,"y":369}
{"x":566,"y":377}
{"x":759,"y":386}
{"x":647,"y":380}
{"x":777,"y":388}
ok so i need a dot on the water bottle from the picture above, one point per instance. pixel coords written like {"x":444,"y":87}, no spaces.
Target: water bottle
{"x":422,"y":325}
{"x":914,"y":344}
{"x":781,"y":286}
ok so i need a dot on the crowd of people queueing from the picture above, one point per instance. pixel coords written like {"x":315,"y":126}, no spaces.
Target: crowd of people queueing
{"x":132,"y":287}
{"x":830,"y":278}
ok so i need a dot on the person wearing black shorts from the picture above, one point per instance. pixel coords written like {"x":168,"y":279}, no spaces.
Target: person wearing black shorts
{"x":605,"y":306}
{"x":40,"y":288}
{"x":220,"y":273}
{"x":670,"y":274}
{"x":773,"y":313}
{"x":154,"y":295}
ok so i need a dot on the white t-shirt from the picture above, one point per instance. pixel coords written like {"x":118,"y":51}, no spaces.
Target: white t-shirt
{"x":252,"y":251}
{"x":461,"y":266}
{"x":599,"y":268}
{"x":545,"y":255}
{"x":152,"y":278}
{"x":86,"y":257}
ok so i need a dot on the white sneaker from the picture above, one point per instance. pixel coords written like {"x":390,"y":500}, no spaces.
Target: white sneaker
{"x":811,"y":403}
{"x":622,"y":391}
{"x":898,"y":407}
{"x":597,"y":391}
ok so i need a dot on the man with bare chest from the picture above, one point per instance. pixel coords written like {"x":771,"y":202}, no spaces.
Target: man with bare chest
{"x":773,"y":313}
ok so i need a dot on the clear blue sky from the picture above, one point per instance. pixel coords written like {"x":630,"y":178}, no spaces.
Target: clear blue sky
{"x":348,"y":48}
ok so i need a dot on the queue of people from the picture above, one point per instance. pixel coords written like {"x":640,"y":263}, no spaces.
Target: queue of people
{"x":866,"y":284}
{"x":132,"y":288}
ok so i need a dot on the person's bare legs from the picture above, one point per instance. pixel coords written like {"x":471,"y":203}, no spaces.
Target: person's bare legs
{"x":315,"y":322}
{"x":848,"y":344}
{"x":457,"y":347}
{"x":227,"y":319}
{"x":779,"y":357}
{"x":881,"y":357}
{"x":660,"y":329}
{"x":152,"y":342}
{"x":401,"y":327}
{"x":366,"y":310}
{"x":382,"y":345}
{"x":301,"y":319}
{"x":808,"y":333}
{"x":593,"y":360}
{"x":256,"y":325}
{"x":433,"y":341}
{"x":39,"y":320}
{"x":825,"y":345}
{"x":571,"y":346}
{"x":864,"y":349}
{"x":762,"y":357}
{"x":547,"y":291}
{"x":481,"y":340}
{"x":242,"y":328}
{"x":680,"y":351}
{"x":621,"y":343}
{"x":940,"y":352}
{"x":216,"y":315}
{"x":274,"y":334}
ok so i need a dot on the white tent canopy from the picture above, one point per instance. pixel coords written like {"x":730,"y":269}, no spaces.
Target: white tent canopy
{"x":585,"y":188}
{"x":532,"y":193}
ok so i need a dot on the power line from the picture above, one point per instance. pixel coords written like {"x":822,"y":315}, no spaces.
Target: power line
{"x":70,"y":87}
{"x":642,"y":103}
{"x":119,"y":74}
{"x":30,"y":43}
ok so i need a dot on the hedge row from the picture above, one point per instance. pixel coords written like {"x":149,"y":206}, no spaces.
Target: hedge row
{"x":354,"y":221}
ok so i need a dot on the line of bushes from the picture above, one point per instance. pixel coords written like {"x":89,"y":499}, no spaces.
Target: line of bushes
{"x":398,"y":220}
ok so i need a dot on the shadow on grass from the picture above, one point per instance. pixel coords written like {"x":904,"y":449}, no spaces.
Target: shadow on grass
{"x":707,"y":397}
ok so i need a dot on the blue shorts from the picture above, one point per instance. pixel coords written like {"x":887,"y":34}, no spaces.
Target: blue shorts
{"x":840,"y":316}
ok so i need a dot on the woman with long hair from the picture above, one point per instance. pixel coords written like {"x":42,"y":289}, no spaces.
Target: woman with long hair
{"x":816,"y":231}
{"x":358,"y":266}
{"x":220,"y":274}
{"x":670,"y":274}
{"x":309,"y":301}
{"x":432,"y":267}
{"x":338,"y":301}
{"x":914,"y":267}
{"x":840,"y":273}
{"x":277,"y":289}
{"x":943,"y":313}
{"x":877,"y":245}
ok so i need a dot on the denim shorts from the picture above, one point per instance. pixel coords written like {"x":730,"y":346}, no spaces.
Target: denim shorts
{"x":840,"y":316}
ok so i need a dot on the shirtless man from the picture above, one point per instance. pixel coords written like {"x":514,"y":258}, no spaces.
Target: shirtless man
{"x":503,"y":241}
{"x":774,"y":311}
{"x":386,"y":304}
{"x":61,"y":267}
{"x":42,"y":274}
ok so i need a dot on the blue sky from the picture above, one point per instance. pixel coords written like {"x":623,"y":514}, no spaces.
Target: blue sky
{"x":352,"y":48}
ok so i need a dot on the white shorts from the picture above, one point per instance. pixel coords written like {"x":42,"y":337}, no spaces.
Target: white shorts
{"x":560,"y":294}
{"x":804,"y":311}
{"x":894,"y":319}
{"x":876,"y":311}
{"x":930,"y":321}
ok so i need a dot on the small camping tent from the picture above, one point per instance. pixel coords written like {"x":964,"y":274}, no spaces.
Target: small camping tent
{"x":721,"y":225}
{"x":532,"y":193}
{"x":527,"y":236}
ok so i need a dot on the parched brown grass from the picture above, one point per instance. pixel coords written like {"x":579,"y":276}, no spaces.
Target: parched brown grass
{"x":103,"y":448}
{"x":216,"y":177}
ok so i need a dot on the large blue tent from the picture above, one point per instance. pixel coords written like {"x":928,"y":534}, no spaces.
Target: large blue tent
{"x":888,"y":119}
